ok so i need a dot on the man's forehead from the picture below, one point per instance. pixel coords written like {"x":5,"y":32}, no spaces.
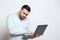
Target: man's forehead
{"x":25,"y":11}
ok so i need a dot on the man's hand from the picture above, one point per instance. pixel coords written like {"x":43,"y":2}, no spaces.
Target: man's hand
{"x":30,"y":33}
{"x":36,"y":36}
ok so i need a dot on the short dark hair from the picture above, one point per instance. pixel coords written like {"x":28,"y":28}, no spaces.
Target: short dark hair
{"x":26,"y":7}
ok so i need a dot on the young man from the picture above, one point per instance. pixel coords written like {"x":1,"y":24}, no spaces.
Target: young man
{"x":18,"y":23}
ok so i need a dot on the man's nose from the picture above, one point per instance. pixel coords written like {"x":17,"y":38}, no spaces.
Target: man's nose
{"x":24,"y":15}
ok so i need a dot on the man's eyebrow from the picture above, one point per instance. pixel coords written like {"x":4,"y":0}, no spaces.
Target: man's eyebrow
{"x":25,"y":14}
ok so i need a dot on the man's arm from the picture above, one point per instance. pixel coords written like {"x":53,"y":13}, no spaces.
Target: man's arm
{"x":11,"y":27}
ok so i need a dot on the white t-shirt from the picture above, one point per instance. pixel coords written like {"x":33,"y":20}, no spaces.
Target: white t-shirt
{"x":17,"y":26}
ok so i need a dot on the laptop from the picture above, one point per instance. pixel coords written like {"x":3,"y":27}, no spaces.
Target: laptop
{"x":39,"y":31}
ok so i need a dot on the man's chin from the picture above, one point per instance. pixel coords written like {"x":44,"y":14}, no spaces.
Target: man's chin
{"x":22,"y":18}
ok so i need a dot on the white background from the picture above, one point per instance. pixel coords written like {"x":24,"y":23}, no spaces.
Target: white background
{"x":42,"y":12}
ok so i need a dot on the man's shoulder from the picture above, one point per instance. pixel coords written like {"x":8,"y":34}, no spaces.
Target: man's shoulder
{"x":11,"y":16}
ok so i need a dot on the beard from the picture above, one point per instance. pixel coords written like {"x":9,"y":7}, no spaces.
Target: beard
{"x":22,"y":18}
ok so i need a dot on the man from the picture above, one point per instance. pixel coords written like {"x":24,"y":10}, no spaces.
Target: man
{"x":18,"y":24}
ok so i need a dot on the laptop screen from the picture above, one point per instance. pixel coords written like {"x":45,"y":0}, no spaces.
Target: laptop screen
{"x":40,"y":29}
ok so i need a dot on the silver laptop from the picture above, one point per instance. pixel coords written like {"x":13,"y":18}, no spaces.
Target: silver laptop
{"x":39,"y":31}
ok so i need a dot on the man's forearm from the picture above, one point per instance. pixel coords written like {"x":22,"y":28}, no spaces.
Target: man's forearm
{"x":17,"y":35}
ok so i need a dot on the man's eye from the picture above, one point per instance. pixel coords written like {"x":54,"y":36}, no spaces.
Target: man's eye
{"x":25,"y":14}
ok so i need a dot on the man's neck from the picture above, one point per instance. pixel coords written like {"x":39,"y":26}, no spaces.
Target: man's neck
{"x":17,"y":14}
